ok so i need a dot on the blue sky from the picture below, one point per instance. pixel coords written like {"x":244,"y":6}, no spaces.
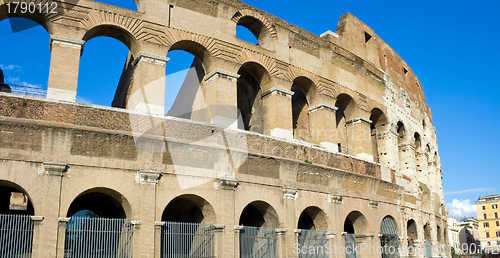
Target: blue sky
{"x":450,"y":45}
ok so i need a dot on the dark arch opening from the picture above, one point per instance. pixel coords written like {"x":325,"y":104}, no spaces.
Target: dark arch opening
{"x":189,"y":209}
{"x":379,"y":121}
{"x":301,"y":88}
{"x":23,"y":72}
{"x":355,"y":223}
{"x":253,"y":77}
{"x":259,"y":214}
{"x":427,"y":232}
{"x":348,"y":226}
{"x":411,"y":230}
{"x":312,"y":218}
{"x":345,"y":107}
{"x":389,"y":237}
{"x":97,"y":204}
{"x":418,"y":142}
{"x":14,"y":200}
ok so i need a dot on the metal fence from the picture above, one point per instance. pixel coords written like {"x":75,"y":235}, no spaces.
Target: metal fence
{"x":315,"y":238}
{"x":350,"y":246}
{"x":258,"y":242}
{"x":98,"y":237}
{"x":28,"y":90}
{"x":186,"y":240}
{"x":16,"y":236}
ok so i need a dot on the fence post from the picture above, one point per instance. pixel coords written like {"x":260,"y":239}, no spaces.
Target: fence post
{"x":158,"y":242}
{"x":237,"y":230}
{"x":35,"y":248}
{"x":219,"y":240}
{"x":281,"y":234}
{"x":61,"y":235}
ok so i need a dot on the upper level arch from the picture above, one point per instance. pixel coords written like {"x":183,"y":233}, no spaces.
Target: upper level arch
{"x":313,"y":218}
{"x":259,"y":25}
{"x":41,"y":19}
{"x":197,"y":49}
{"x":104,"y":202}
{"x":117,"y":32}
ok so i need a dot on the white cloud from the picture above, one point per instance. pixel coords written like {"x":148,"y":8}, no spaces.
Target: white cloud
{"x":475,"y":190}
{"x":460,"y":209}
{"x":10,"y":67}
{"x":83,"y":100}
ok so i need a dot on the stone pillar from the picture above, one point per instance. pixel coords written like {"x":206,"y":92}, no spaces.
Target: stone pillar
{"x":147,"y":89}
{"x":158,"y":226}
{"x":281,"y":234}
{"x":49,"y":240}
{"x":221,"y":96}
{"x":237,"y":230}
{"x":219,"y":240}
{"x":331,"y":240}
{"x":277,"y":104}
{"x":36,"y":252}
{"x":431,"y":174}
{"x":322,"y":119}
{"x":364,"y":241}
{"x":64,"y":67}
{"x":422,"y":168}
{"x":61,"y":236}
{"x":359,"y":138}
{"x":144,"y":242}
{"x":407,"y":159}
{"x":388,"y":149}
{"x":289,"y":197}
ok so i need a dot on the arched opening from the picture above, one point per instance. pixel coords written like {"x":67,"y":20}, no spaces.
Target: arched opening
{"x":312,"y":227}
{"x":106,"y":67}
{"x":186,"y":230}
{"x":98,"y":225}
{"x":418,"y":143}
{"x":379,"y":122}
{"x":248,"y":24}
{"x":345,"y":108}
{"x":401,"y":130}
{"x":23,"y":72}
{"x":302,"y":88}
{"x":184,"y":85}
{"x":127,"y":4}
{"x":411,"y":231}
{"x":16,"y":225}
{"x":427,"y":240}
{"x":389,"y":239}
{"x":258,"y":235}
{"x":354,"y":224}
{"x":253,"y":78}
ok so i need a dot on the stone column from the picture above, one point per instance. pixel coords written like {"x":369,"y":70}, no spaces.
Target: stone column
{"x":36,"y":252}
{"x":277,"y":105}
{"x":331,"y":240}
{"x":365,"y":241}
{"x":422,"y":168}
{"x":157,"y":241}
{"x":49,"y":240}
{"x":144,"y":242}
{"x":64,"y":68}
{"x":407,"y":159}
{"x":219,"y":240}
{"x":359,"y":138}
{"x":322,"y":119}
{"x":289,"y":197}
{"x":296,"y":240}
{"x":431,"y":174}
{"x":61,"y":236}
{"x":147,"y":89}
{"x":221,"y":96}
{"x":388,"y":149}
{"x":237,"y":230}
{"x":281,"y":234}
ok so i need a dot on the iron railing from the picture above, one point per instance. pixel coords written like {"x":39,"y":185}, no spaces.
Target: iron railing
{"x":258,"y":242}
{"x":98,"y":237}
{"x":187,"y":240}
{"x":16,"y":236}
{"x":316,"y":239}
{"x":28,"y":90}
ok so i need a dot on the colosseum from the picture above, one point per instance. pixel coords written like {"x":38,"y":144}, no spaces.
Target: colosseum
{"x":298,"y":146}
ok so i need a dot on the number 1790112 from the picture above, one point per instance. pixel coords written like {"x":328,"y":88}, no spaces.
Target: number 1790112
{"x":31,"y":7}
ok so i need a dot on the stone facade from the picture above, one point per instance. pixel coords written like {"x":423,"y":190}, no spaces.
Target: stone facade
{"x":360,"y":147}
